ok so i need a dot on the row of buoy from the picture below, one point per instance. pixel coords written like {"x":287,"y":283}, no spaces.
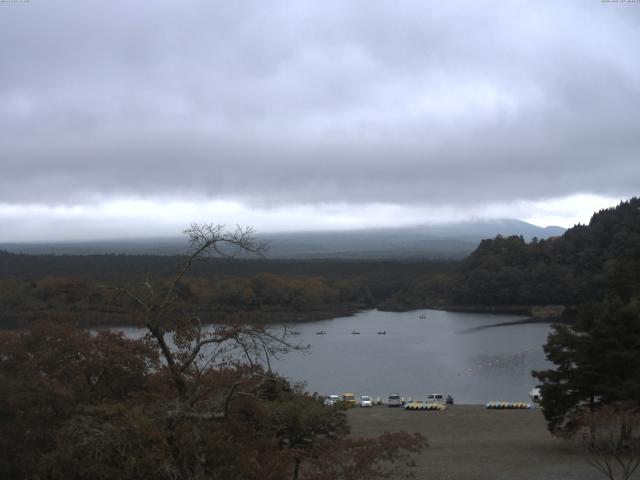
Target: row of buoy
{"x":509,"y":405}
{"x":425,"y":406}
{"x":354,"y":332}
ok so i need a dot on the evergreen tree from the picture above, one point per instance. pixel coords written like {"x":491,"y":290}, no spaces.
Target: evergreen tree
{"x":597,"y":362}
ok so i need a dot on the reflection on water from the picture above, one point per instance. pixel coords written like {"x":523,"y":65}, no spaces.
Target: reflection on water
{"x":520,"y":321}
{"x":505,"y":364}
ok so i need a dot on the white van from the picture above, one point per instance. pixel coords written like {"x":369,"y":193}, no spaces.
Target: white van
{"x":436,"y":398}
{"x":394,"y":400}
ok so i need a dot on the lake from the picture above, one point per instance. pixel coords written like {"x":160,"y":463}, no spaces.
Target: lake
{"x":469,"y":355}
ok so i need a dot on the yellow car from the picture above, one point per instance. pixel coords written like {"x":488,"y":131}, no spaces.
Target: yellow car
{"x":350,"y":399}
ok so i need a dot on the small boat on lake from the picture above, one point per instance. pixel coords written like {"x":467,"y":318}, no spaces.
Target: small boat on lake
{"x":355,"y":333}
{"x":321,"y":332}
{"x":382,"y":332}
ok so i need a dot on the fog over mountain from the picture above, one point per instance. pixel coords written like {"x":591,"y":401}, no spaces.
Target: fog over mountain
{"x":454,"y":240}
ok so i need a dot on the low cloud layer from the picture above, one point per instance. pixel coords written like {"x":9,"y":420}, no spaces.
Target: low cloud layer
{"x":299,"y":104}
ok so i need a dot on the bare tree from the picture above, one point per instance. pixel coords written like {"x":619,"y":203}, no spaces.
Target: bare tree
{"x":188,"y":348}
{"x":611,"y":439}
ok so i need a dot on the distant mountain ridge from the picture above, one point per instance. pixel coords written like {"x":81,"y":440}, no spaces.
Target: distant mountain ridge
{"x":446,"y":241}
{"x":454,"y":240}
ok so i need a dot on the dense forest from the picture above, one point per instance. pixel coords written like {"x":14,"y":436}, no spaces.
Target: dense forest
{"x":592,"y":392}
{"x":588,"y":262}
{"x":259,"y":290}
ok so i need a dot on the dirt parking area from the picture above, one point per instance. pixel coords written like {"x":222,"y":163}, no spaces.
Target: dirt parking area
{"x":471,"y":442}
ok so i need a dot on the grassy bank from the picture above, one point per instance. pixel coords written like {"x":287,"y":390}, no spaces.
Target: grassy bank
{"x":471,"y":442}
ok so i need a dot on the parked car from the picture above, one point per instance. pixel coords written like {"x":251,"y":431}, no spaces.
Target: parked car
{"x":349,"y":399}
{"x":331,"y":400}
{"x":435,"y":398}
{"x":365,"y":401}
{"x":394,"y":400}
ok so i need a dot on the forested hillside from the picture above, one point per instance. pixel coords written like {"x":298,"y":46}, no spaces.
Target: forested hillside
{"x":588,"y":262}
{"x":259,"y":290}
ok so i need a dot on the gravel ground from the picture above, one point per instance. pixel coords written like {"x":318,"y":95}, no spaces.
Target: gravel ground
{"x":471,"y":442}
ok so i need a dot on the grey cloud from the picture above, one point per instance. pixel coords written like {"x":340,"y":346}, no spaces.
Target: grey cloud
{"x":311,"y":102}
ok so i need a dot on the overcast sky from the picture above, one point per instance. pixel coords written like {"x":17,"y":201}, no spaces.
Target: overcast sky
{"x":122,"y":118}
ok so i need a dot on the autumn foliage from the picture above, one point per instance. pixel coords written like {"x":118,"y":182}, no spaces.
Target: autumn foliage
{"x":81,"y":405}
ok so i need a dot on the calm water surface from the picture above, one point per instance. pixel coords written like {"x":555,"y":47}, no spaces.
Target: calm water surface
{"x":446,"y":352}
{"x":474,"y":357}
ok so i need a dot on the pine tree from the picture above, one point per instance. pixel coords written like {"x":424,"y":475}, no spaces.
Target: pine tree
{"x":597,"y":362}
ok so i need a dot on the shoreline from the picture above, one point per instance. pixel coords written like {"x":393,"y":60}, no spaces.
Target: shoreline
{"x":114,"y":319}
{"x":556,"y":313}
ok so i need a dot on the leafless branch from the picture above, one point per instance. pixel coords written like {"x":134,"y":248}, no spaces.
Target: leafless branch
{"x":611,"y":440}
{"x":188,"y":336}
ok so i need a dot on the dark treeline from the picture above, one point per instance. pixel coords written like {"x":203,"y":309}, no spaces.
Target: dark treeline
{"x":261,"y":290}
{"x":120,"y":268}
{"x":588,"y":262}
